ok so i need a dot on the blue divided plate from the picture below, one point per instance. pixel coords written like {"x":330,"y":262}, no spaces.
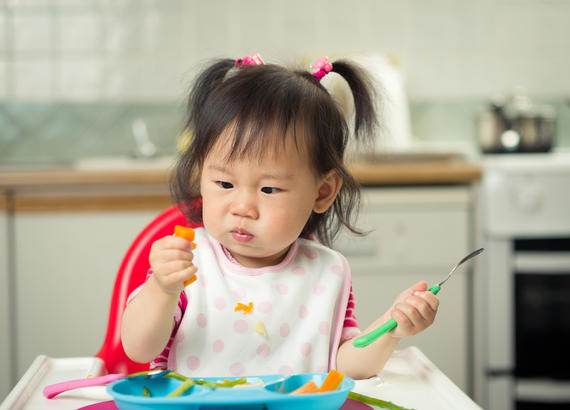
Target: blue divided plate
{"x":271,"y":392}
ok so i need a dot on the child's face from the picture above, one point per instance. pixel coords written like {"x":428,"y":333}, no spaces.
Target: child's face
{"x":257,"y":207}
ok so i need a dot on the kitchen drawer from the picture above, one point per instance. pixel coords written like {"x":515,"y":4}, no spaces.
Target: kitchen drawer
{"x":410,"y":227}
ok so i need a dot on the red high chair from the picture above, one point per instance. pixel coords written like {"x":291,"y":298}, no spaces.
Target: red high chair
{"x":132,"y":273}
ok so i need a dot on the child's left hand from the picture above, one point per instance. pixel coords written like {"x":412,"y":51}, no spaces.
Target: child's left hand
{"x":414,"y":310}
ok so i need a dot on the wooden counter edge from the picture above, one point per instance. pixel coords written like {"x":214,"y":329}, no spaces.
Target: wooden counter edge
{"x":3,"y":201}
{"x":367,"y":174}
{"x":73,"y":177}
{"x":385,"y":174}
{"x":87,"y":203}
{"x":427,"y":173}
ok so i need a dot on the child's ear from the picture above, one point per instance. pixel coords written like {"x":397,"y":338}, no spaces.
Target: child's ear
{"x":328,"y":190}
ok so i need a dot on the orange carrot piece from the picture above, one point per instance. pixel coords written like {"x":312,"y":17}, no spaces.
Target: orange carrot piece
{"x":188,"y":234}
{"x":309,"y":387}
{"x":190,"y":281}
{"x":184,"y":232}
{"x":332,"y":381}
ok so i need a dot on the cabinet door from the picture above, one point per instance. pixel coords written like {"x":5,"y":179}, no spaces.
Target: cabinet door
{"x":66,"y":264}
{"x":5,"y":307}
{"x":416,"y":234}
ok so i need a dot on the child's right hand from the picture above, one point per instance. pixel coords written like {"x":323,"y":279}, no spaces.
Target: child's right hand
{"x":171,"y":263}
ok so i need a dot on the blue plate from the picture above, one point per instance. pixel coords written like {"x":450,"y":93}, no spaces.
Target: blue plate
{"x":271,"y":392}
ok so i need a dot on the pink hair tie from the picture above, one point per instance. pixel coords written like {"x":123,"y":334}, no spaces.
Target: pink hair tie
{"x":321,"y":67}
{"x":254,"y":59}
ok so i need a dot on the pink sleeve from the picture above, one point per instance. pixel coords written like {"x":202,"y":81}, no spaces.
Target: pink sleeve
{"x":161,"y":361}
{"x":350,"y":327}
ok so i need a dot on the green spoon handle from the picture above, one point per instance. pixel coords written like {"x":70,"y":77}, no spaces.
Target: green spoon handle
{"x":369,"y":337}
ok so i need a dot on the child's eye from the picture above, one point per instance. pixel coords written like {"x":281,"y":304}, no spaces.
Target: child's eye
{"x":225,"y":185}
{"x":269,"y":190}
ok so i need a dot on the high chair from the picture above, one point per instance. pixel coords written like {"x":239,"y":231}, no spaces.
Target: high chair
{"x":132,"y":273}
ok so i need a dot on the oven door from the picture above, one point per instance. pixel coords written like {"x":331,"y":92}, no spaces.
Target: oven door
{"x":542,"y":323}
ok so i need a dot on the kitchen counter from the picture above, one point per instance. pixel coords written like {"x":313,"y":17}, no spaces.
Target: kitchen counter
{"x":416,"y":173}
{"x":393,"y":173}
{"x":147,"y":188}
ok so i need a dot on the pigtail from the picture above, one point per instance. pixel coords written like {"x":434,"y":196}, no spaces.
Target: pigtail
{"x":344,"y":209}
{"x":185,"y":182}
{"x":206,"y":82}
{"x":363,"y":92}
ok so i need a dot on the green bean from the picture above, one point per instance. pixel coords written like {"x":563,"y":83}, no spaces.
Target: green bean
{"x":146,"y":373}
{"x":375,"y":402}
{"x":228,"y":383}
{"x":188,"y":383}
{"x":177,"y":376}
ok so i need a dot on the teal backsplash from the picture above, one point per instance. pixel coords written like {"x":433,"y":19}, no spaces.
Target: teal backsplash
{"x":47,"y":134}
{"x":457,"y":120}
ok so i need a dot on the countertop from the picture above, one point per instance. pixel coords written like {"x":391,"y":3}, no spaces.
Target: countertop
{"x":140,"y":187}
{"x":390,"y":173}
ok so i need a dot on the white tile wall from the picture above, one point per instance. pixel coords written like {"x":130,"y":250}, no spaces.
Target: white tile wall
{"x":145,"y":49}
{"x":32,"y":78}
{"x":80,"y":79}
{"x":3,"y":32}
{"x":32,"y":33}
{"x":79,"y":33}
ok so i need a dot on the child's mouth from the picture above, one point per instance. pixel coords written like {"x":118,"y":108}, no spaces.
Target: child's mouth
{"x":240,"y":235}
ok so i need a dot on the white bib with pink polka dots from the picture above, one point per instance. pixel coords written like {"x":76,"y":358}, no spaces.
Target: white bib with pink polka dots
{"x":280,"y":319}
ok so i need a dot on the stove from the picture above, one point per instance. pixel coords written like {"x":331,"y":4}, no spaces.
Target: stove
{"x":522,"y":286}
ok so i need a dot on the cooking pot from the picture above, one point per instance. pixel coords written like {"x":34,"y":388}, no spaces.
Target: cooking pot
{"x":516,"y":125}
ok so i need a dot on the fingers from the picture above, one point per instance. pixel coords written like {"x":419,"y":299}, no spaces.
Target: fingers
{"x":171,"y":263}
{"x":168,"y":255}
{"x":416,"y":287}
{"x":419,"y":286}
{"x":173,"y":242}
{"x":415,"y":313}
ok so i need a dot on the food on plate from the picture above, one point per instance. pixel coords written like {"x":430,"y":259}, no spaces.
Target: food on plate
{"x":182,"y":388}
{"x":309,"y":387}
{"x":332,"y":381}
{"x":374,"y":401}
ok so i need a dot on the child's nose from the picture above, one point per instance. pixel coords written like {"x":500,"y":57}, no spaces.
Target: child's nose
{"x":244,"y":205}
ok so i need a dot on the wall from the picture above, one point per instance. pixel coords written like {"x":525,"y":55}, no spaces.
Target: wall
{"x":130,"y":56}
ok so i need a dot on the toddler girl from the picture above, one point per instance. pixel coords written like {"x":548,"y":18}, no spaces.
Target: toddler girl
{"x":266,"y":161}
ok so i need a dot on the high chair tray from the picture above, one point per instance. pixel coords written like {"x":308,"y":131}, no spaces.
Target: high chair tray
{"x":408,"y":370}
{"x":270,"y":392}
{"x":44,"y":370}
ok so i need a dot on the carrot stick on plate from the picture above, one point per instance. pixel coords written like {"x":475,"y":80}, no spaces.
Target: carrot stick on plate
{"x":332,"y":381}
{"x":309,"y":387}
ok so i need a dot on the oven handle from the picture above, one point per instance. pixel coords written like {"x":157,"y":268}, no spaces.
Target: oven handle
{"x":542,"y":262}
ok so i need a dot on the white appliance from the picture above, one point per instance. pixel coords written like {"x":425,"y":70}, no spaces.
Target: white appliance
{"x":522,"y":286}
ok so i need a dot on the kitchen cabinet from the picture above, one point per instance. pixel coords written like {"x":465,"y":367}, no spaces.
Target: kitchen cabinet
{"x":5,"y":308}
{"x":416,"y":233}
{"x":65,"y":266}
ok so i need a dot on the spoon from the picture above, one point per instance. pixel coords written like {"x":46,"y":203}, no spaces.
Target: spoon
{"x":54,"y":389}
{"x":368,"y":338}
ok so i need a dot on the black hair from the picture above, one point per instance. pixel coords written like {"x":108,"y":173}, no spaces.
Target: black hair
{"x":262,"y":105}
